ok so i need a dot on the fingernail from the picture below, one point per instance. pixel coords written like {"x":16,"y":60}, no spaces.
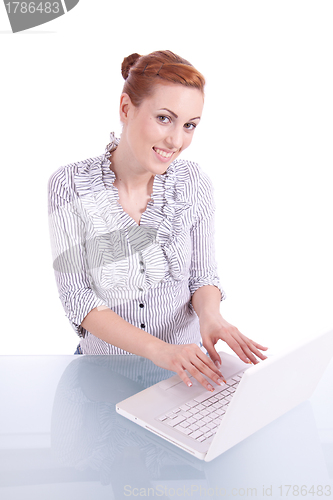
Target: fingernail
{"x":210,"y":388}
{"x":221,"y":381}
{"x":217,"y":364}
{"x":189,"y":384}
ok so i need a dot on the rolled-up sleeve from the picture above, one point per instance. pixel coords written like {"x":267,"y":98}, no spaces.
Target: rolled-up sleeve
{"x":203,"y":265}
{"x":67,"y":232}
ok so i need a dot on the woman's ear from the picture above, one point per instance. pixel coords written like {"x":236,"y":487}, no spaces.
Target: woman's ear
{"x":125,"y":105}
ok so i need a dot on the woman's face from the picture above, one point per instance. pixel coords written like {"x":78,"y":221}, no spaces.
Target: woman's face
{"x":161,"y":127}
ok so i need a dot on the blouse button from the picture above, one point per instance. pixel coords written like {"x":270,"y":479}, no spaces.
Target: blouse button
{"x":141,"y":305}
{"x":143,"y":325}
{"x":142,"y":270}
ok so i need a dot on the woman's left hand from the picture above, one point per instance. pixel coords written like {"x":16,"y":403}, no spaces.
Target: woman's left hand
{"x":214,"y":327}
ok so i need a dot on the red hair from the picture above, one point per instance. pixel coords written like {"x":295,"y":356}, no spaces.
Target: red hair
{"x":143,"y":73}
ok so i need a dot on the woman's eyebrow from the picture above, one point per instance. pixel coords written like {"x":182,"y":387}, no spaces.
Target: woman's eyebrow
{"x":176,"y":116}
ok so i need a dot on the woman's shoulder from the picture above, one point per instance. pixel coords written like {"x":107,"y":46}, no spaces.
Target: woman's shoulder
{"x":191,"y":174}
{"x":63,"y":180}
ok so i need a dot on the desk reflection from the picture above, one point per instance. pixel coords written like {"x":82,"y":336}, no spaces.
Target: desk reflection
{"x":89,"y":435}
{"x":60,"y":437}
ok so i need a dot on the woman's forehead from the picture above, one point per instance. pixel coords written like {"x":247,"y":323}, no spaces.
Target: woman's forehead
{"x":177,"y":98}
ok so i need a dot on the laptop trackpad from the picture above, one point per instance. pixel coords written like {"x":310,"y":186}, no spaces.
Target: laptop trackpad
{"x":182,"y":389}
{"x":176,"y":384}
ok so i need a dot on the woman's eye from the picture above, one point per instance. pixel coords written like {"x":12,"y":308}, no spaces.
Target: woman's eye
{"x":164,"y":119}
{"x":190,"y":126}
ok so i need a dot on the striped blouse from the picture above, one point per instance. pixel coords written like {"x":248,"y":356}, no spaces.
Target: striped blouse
{"x":145,"y":273}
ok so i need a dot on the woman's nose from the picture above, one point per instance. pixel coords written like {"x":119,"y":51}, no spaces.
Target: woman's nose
{"x":175,"y":138}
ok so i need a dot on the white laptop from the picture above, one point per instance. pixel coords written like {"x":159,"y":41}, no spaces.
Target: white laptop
{"x":205,"y":423}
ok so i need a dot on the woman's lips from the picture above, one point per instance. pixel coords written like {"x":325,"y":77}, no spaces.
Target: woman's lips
{"x":163,"y":154}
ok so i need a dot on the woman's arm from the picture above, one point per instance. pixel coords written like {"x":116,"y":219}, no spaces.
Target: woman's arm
{"x":205,"y":286}
{"x":110,"y":327}
{"x":213,"y":327}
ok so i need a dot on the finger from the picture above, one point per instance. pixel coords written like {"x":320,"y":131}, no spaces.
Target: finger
{"x":213,"y":361}
{"x":199,"y":377}
{"x":251,"y":346}
{"x":213,"y":354}
{"x":215,"y":357}
{"x":258,"y":346}
{"x":216,"y":376}
{"x":185,"y":378}
{"x":250,"y":341}
{"x":245,"y":348}
{"x":237,"y":347}
{"x":252,"y":352}
{"x":186,"y":364}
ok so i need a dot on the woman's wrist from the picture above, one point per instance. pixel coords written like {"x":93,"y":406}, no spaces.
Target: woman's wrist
{"x":153,"y":349}
{"x":206,"y":301}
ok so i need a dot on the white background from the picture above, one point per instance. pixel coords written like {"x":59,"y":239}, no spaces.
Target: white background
{"x":265,"y":140}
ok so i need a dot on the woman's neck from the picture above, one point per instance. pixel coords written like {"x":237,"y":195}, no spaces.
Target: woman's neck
{"x":129,"y":175}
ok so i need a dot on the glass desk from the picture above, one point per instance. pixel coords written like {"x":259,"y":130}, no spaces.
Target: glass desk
{"x":61,"y":438}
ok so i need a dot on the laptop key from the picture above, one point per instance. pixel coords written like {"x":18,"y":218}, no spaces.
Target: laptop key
{"x":196,"y":417}
{"x":184,"y":430}
{"x":171,"y":414}
{"x":204,"y":413}
{"x":201,"y":439}
{"x":216,"y":405}
{"x":224,"y":402}
{"x":186,"y":414}
{"x":196,"y":434}
{"x":202,"y":397}
{"x":211,"y":425}
{"x":220,"y":411}
{"x":205,"y":429}
{"x":191,"y":403}
{"x":175,"y":421}
{"x":220,"y":396}
{"x":191,"y":420}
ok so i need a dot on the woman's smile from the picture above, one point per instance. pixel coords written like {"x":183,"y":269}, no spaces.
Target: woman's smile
{"x":163,"y":154}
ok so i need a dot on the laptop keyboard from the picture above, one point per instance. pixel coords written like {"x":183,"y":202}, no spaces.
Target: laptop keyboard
{"x":199,"y":418}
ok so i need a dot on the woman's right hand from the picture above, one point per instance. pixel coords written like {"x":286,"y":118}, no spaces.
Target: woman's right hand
{"x":190,"y":357}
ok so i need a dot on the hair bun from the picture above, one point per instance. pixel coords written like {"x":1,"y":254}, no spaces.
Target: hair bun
{"x":128,"y":62}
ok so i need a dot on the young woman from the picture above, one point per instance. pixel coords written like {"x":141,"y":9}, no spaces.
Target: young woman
{"x":132,"y":232}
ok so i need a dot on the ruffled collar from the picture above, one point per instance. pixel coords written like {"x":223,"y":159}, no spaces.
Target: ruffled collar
{"x":94,"y":182}
{"x":167,"y":200}
{"x":108,"y":173}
